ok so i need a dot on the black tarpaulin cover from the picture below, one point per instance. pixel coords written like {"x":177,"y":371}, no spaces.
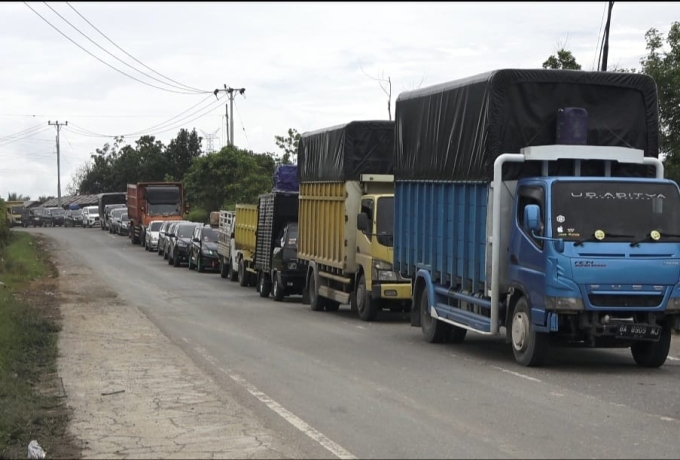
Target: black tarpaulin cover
{"x":455,"y":130}
{"x":162,"y":195}
{"x":344,"y":152}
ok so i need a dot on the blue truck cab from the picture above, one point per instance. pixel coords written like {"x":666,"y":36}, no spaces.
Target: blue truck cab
{"x":545,"y":236}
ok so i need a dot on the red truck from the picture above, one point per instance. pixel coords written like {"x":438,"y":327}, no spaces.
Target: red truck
{"x":147,"y":201}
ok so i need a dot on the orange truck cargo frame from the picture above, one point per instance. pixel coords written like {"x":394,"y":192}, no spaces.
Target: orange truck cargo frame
{"x":148,"y":201}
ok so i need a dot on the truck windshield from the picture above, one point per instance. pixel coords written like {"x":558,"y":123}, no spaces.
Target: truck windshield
{"x":625,"y":208}
{"x":385,"y":227}
{"x":164,"y":209}
{"x":16,"y":209}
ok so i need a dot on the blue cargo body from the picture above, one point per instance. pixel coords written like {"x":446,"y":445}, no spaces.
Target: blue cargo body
{"x":441,"y":227}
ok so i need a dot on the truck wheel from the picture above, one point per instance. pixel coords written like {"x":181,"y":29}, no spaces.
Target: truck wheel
{"x":264,"y":285}
{"x":224,"y":270}
{"x":652,"y":354}
{"x":277,"y":291}
{"x":530,"y":347}
{"x":434,"y":331}
{"x":242,"y":274}
{"x":316,"y":303}
{"x":367,"y":308}
{"x":233,"y":274}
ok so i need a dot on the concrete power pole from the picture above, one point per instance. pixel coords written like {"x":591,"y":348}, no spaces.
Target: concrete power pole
{"x":58,"y":125}
{"x":230,"y":116}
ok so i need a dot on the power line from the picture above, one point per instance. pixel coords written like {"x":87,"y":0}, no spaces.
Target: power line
{"x":100,"y":60}
{"x":27,"y":136}
{"x":244,"y":128}
{"x":128,"y":54}
{"x":22,"y":132}
{"x":113,"y":55}
{"x":597,"y":45}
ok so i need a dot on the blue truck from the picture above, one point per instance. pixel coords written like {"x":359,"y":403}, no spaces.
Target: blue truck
{"x":533,"y":203}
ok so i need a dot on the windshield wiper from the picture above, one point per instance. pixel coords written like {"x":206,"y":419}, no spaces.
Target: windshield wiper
{"x":595,"y":238}
{"x":651,"y":237}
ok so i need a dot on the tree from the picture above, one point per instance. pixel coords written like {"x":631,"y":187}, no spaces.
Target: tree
{"x":563,"y":59}
{"x":43,"y":198}
{"x":182,"y":151}
{"x":664,"y":67}
{"x":289,"y":145}
{"x":14,"y":196}
{"x":227,"y":177}
{"x":386,"y":87}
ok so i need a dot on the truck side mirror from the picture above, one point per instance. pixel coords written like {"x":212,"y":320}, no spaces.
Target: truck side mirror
{"x":532,"y":217}
{"x":362,"y":222}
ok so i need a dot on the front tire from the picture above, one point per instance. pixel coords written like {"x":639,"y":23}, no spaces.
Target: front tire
{"x":529,"y":347}
{"x":233,"y":275}
{"x":242,"y":274}
{"x":366,"y":306}
{"x":652,"y":354}
{"x":434,"y":331}
{"x":278,"y":293}
{"x":224,"y":269}
{"x":316,"y":303}
{"x":264,"y":285}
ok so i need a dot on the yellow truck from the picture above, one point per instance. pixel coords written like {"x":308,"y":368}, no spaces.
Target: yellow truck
{"x":346,"y":216}
{"x":14,"y":212}
{"x":242,"y":253}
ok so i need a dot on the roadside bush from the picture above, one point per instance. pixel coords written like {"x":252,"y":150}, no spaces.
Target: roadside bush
{"x":198,"y":215}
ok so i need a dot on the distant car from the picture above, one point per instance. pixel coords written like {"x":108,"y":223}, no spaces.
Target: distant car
{"x":32,"y":216}
{"x":124,"y":225}
{"x":73,"y":217}
{"x":53,"y":217}
{"x":106,"y":218}
{"x":179,"y":246}
{"x":151,"y":235}
{"x":91,"y":216}
{"x":203,"y":249}
{"x":169,"y":236}
{"x":115,"y":219}
{"x":161,"y":236}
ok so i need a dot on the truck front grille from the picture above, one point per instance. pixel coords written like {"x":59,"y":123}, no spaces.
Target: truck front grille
{"x":642,"y":301}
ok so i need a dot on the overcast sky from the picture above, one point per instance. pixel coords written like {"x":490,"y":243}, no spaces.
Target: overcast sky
{"x":301,"y":65}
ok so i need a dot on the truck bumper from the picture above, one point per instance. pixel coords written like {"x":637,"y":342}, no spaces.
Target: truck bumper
{"x":294,"y":281}
{"x":391,"y":291}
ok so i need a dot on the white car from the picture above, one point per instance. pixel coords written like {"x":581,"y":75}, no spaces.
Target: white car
{"x":91,"y":216}
{"x":151,"y":235}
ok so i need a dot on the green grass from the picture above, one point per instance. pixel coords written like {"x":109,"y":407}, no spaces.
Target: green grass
{"x":28,"y":350}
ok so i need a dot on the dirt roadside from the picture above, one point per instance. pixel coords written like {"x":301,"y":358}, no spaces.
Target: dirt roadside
{"x":131,"y":392}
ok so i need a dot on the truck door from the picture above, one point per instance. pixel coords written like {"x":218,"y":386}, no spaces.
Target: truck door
{"x":364,"y":239}
{"x":527,"y":256}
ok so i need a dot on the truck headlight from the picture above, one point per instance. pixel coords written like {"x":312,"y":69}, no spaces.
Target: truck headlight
{"x":564,"y":303}
{"x":384,"y":275}
{"x":673,"y":304}
{"x":292,"y":266}
{"x":382,"y":265}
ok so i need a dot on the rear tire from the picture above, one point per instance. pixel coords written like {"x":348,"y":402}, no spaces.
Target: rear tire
{"x":529,"y":347}
{"x":242,"y":274}
{"x":233,"y":275}
{"x":316,"y":303}
{"x":224,"y":269}
{"x":652,"y":354}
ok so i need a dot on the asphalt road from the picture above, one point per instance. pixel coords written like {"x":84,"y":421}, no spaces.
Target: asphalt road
{"x":336,"y":386}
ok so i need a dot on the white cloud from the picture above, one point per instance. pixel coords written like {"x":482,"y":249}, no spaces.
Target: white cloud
{"x":299,"y":62}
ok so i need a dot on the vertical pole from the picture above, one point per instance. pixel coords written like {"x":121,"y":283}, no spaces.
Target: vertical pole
{"x":605,"y":46}
{"x":231,"y":120}
{"x":58,"y":125}
{"x":226,"y":123}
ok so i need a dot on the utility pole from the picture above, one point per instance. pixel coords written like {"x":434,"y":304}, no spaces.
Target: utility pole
{"x":58,"y":125}
{"x":605,"y":45}
{"x":230,"y":117}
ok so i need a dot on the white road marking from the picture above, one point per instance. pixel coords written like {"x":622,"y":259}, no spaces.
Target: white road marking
{"x":517,"y":374}
{"x":668,"y":419}
{"x":361,"y":327}
{"x":288,"y":416}
{"x":185,"y":339}
{"x":673,"y":359}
